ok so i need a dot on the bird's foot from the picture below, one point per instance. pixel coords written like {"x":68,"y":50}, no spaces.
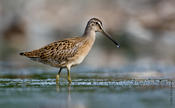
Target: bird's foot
{"x":69,"y":80}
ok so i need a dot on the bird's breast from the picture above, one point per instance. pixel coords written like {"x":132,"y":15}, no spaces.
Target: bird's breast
{"x":83,"y":52}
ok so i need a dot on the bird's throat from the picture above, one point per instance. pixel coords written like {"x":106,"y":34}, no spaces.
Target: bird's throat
{"x":89,"y":36}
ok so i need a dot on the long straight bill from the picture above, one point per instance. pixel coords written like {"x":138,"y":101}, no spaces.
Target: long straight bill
{"x":109,"y":37}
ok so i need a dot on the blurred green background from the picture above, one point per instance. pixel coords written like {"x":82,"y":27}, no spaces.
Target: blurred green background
{"x":144,"y":28}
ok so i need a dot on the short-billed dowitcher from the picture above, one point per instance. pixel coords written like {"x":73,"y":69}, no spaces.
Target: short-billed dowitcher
{"x":71,"y":51}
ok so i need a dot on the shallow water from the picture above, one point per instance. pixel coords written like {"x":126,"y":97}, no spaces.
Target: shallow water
{"x":91,"y":88}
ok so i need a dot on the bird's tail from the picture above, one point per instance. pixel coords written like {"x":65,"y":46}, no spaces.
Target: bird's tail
{"x":29,"y":54}
{"x":22,"y":53}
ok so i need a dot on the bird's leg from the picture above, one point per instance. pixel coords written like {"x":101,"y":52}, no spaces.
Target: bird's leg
{"x":68,"y":75}
{"x":58,"y":75}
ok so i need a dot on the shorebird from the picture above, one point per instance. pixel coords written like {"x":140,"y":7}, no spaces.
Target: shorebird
{"x":70,"y":51}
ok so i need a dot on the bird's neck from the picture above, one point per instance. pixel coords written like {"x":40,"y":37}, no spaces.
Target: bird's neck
{"x":89,"y":34}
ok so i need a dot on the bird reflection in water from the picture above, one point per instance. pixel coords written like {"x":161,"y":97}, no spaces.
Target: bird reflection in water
{"x":69,"y":102}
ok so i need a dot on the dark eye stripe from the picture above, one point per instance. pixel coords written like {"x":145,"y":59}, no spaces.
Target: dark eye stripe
{"x":94,"y":20}
{"x":99,"y":24}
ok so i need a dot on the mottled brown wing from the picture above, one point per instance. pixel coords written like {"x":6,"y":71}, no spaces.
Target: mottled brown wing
{"x":57,"y":52}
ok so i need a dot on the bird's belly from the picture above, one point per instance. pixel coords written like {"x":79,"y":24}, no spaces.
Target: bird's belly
{"x":78,"y":60}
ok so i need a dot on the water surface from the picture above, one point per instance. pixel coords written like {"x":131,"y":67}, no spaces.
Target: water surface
{"x":91,"y":88}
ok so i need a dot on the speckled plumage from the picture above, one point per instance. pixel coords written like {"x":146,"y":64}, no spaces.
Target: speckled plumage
{"x":68,"y":52}
{"x":59,"y":53}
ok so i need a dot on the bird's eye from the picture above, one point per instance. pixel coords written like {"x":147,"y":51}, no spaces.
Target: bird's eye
{"x":96,"y":22}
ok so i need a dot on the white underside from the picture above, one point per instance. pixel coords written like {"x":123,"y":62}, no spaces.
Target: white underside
{"x":78,"y":60}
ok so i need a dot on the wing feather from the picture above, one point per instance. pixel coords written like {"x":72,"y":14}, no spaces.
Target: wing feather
{"x":57,"y":52}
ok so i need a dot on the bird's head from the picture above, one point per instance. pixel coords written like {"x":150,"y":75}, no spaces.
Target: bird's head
{"x":96,"y":25}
